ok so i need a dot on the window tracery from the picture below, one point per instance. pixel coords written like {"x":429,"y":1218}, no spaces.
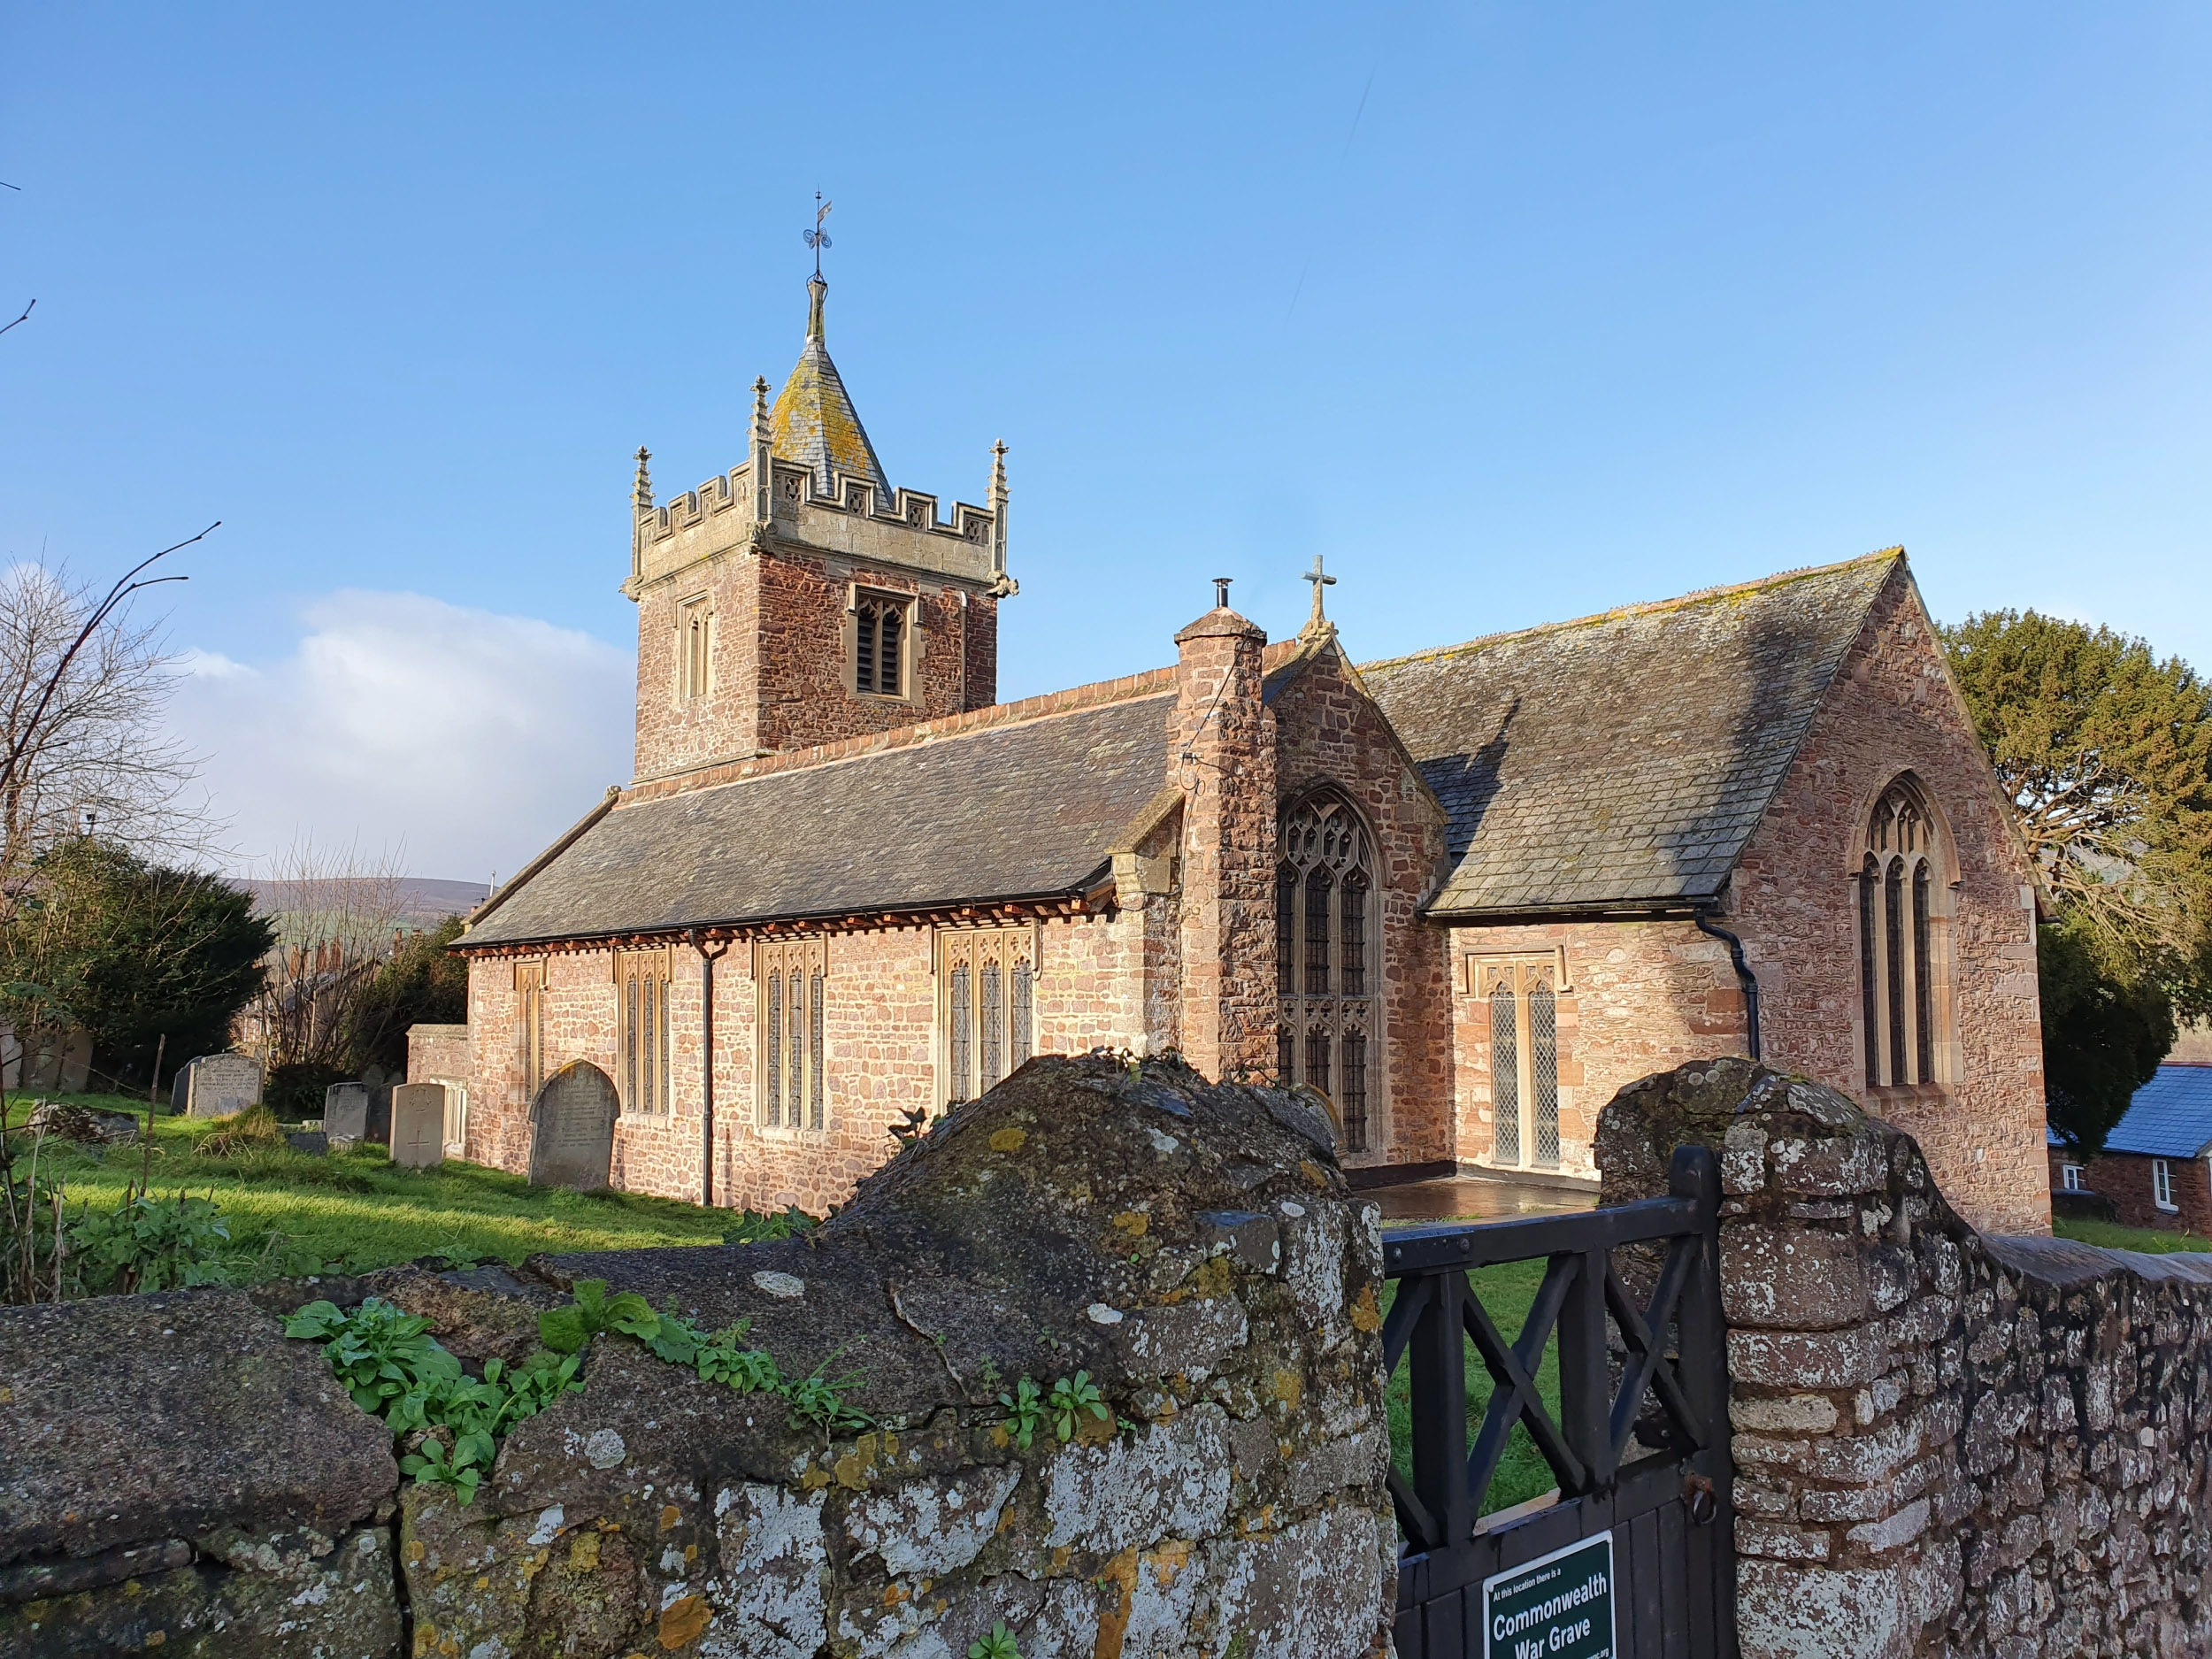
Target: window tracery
{"x":986,"y":1008}
{"x":1903,"y":1005}
{"x":1324,"y":943}
{"x":641,"y":982}
{"x":793,"y":979}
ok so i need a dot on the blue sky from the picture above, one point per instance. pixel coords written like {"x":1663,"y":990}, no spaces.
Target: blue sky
{"x":1513,"y":312}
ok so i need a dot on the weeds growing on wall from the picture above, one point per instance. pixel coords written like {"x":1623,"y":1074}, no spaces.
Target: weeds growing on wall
{"x":1029,"y":1405}
{"x":451,"y":1422}
{"x":816,"y":1401}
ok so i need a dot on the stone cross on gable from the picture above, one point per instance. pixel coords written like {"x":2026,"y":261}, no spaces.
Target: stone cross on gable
{"x":1319,"y":581}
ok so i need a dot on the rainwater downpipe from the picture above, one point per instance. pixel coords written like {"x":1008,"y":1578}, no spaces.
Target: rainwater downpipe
{"x":707,"y":959}
{"x":1744,"y":977}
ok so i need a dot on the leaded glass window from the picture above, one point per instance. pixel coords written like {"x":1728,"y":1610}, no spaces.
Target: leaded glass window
{"x":641,"y":980}
{"x":1326,"y":946}
{"x":1505,"y":1077}
{"x":986,"y":1009}
{"x":1904,"y":1005}
{"x":1523,"y":992}
{"x":794,"y":1056}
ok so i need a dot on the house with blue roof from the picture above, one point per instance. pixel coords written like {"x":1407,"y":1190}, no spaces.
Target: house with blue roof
{"x":2157,"y":1162}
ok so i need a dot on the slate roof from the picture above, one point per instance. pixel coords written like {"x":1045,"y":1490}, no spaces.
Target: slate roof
{"x":814,"y":422}
{"x":2170,"y":1116}
{"x":1624,"y":760}
{"x":1024,"y":810}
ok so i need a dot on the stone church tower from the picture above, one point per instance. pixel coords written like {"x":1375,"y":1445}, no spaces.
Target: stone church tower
{"x":798,"y":599}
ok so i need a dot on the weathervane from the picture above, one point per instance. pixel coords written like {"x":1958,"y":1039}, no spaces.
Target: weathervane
{"x":817,"y":238}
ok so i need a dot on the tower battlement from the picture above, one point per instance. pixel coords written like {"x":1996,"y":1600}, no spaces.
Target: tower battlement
{"x":722,"y":516}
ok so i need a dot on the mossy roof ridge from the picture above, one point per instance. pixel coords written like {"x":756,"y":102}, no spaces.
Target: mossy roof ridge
{"x":1624,"y":759}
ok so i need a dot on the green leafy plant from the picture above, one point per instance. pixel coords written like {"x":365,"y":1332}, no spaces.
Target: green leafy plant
{"x":147,"y":1243}
{"x":754,"y":1227}
{"x":567,"y":1330}
{"x":1069,"y":1400}
{"x":395,"y":1372}
{"x":819,"y":1403}
{"x":1000,"y":1644}
{"x":1024,"y":1409}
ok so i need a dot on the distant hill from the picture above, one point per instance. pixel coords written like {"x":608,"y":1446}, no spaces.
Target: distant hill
{"x":422,"y":901}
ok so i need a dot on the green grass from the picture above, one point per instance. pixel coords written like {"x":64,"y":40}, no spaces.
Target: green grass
{"x":2112,"y":1236}
{"x":354,"y":1212}
{"x":1505,"y":1292}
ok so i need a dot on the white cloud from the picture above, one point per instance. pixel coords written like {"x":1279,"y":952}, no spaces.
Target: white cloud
{"x":459,"y":741}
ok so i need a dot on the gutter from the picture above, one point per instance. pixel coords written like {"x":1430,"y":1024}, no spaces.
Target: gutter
{"x":1744,"y":977}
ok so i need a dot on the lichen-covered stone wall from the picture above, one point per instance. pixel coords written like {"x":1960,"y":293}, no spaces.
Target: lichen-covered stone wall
{"x":1946,"y":1444}
{"x":1193,"y":1249}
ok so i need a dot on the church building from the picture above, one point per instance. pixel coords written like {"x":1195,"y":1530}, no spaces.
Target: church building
{"x":1466,"y":893}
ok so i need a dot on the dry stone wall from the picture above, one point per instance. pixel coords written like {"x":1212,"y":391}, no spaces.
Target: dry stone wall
{"x":1195,"y":1248}
{"x":1947,"y":1445}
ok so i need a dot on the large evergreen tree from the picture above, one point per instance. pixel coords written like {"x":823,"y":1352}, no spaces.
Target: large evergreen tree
{"x":130,"y":952}
{"x":2106,"y":751}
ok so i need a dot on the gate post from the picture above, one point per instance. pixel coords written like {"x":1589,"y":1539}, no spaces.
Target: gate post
{"x":1694,"y":1174}
{"x":1439,"y":1379}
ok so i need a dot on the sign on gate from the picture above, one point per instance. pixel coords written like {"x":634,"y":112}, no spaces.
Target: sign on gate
{"x":1557,"y":1607}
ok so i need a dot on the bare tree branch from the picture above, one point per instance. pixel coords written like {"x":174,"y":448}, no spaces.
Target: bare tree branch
{"x":26,"y":311}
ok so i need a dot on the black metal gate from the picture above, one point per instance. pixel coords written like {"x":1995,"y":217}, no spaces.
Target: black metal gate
{"x":1640,"y":1447}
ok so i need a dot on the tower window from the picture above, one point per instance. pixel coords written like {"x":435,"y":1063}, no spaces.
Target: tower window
{"x":694,"y":648}
{"x":882,"y":625}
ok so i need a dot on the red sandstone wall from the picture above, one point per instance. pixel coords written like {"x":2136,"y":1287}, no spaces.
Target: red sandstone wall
{"x":779,"y":659}
{"x":1641,"y":997}
{"x":671,"y":734}
{"x":1894,"y":708}
{"x":879,"y":1035}
{"x":1326,"y":732}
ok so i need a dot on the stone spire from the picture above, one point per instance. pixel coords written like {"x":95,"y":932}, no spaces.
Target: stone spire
{"x":641,"y":491}
{"x":814,"y":421}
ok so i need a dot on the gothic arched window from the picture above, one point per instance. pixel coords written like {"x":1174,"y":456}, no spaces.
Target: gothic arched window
{"x":1901,"y":1010}
{"x":1325,"y":957}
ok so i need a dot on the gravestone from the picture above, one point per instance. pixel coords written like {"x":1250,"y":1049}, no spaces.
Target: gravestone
{"x":346,"y":1113}
{"x":380,"y":1087}
{"x":313,"y":1143}
{"x":571,"y":1130}
{"x":217,"y":1085}
{"x":419,"y":1125}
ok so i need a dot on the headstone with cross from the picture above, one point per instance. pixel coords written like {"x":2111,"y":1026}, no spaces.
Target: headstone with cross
{"x":419,"y":1125}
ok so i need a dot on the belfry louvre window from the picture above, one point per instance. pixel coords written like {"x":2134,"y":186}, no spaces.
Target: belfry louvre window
{"x":987,"y":995}
{"x":1903,"y":1003}
{"x":1524,"y":996}
{"x":641,"y":981}
{"x":882,"y":624}
{"x":1324,"y":955}
{"x":793,"y":978}
{"x":694,"y":648}
{"x":530,"y":1024}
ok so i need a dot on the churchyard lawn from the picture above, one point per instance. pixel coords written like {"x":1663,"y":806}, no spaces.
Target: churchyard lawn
{"x":353,"y":1210}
